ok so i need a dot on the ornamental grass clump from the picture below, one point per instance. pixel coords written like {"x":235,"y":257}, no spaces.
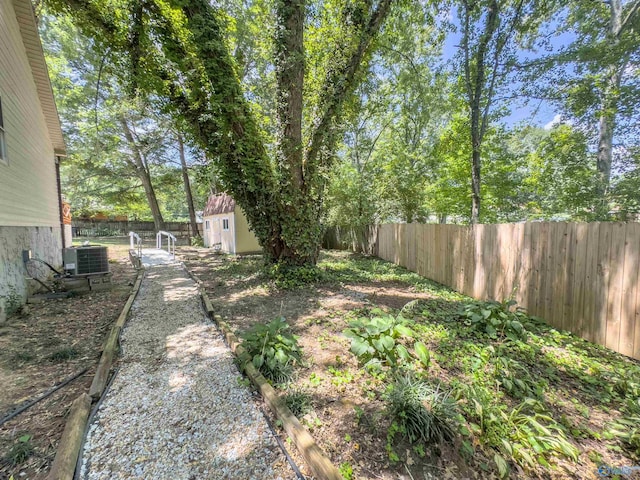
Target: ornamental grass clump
{"x":423,"y":413}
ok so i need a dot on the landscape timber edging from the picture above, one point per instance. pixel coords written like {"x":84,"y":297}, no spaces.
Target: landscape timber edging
{"x":64,"y":463}
{"x":315,"y":457}
{"x":66,"y":459}
{"x":110,"y":348}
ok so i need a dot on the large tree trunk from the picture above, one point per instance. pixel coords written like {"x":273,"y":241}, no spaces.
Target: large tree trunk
{"x":605,"y":144}
{"x":294,"y":239}
{"x":187,"y":188}
{"x":609,"y":109}
{"x":290,"y":79}
{"x":142,"y":172}
{"x":475,"y":183}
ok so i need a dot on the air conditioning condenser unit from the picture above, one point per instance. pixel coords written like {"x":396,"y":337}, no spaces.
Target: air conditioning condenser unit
{"x":86,"y":260}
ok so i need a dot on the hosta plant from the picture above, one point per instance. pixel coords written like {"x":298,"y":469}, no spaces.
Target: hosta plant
{"x":273,"y":349}
{"x":382,"y":341}
{"x":497,"y":319}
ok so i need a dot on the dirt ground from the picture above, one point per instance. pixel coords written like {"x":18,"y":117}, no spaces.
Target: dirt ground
{"x":348,"y":414}
{"x":348,"y":417}
{"x":43,"y":346}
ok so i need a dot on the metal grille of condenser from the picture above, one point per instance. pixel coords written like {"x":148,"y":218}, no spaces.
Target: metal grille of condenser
{"x":86,"y":260}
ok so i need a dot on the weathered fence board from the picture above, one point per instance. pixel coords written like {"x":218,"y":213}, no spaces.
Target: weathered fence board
{"x":581,"y":277}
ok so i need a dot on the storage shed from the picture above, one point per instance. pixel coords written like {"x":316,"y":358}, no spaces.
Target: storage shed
{"x":226,"y":227}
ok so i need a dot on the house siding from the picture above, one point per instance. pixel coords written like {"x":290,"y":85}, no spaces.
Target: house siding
{"x":28,"y":190}
{"x":29,"y":201}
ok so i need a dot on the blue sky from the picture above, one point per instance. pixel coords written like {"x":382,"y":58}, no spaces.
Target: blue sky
{"x":536,"y":112}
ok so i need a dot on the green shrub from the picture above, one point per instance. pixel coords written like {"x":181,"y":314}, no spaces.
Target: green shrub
{"x":376,"y":341}
{"x":423,"y":413}
{"x":497,"y":319}
{"x":196,"y":241}
{"x":288,"y":277}
{"x":20,"y":451}
{"x":273,"y":349}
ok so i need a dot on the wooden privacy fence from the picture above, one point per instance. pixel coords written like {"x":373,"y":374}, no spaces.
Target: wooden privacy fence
{"x":88,"y":228}
{"x":360,"y":239}
{"x":581,"y":277}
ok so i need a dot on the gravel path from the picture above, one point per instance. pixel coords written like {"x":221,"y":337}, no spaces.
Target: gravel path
{"x":176,"y":409}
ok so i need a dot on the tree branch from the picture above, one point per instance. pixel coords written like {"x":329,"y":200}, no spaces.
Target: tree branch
{"x":340,"y":84}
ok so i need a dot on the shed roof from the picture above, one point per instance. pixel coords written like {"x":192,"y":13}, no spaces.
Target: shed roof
{"x":219,"y":203}
{"x":35,"y":54}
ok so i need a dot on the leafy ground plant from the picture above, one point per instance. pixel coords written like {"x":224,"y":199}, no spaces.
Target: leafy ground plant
{"x":497,"y":319}
{"x":376,"y":342}
{"x":63,"y":354}
{"x":273,"y":349}
{"x":12,"y":302}
{"x":286,"y":277}
{"x":627,"y":430}
{"x":535,"y":436}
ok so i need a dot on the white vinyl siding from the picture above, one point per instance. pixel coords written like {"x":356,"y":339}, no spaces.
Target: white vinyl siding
{"x":28,"y":190}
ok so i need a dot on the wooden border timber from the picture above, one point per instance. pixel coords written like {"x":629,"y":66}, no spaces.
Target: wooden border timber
{"x":307,"y":446}
{"x":111,"y":345}
{"x":64,"y":464}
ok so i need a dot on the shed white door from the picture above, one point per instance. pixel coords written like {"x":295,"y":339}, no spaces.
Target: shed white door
{"x":216,"y":231}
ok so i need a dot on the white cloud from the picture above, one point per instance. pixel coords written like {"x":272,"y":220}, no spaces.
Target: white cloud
{"x":557,"y":120}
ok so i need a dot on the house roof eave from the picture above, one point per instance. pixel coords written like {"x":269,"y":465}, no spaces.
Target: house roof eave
{"x":35,"y":54}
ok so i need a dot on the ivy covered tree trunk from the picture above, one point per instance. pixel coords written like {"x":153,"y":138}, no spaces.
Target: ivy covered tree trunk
{"x":292,"y":240}
{"x":177,"y":50}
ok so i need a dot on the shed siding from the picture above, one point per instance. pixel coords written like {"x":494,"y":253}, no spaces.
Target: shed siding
{"x":246,"y":241}
{"x":28,"y":190}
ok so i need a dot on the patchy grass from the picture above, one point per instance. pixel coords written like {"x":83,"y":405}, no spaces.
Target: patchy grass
{"x":496,"y":394}
{"x":20,"y":451}
{"x":64,"y":354}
